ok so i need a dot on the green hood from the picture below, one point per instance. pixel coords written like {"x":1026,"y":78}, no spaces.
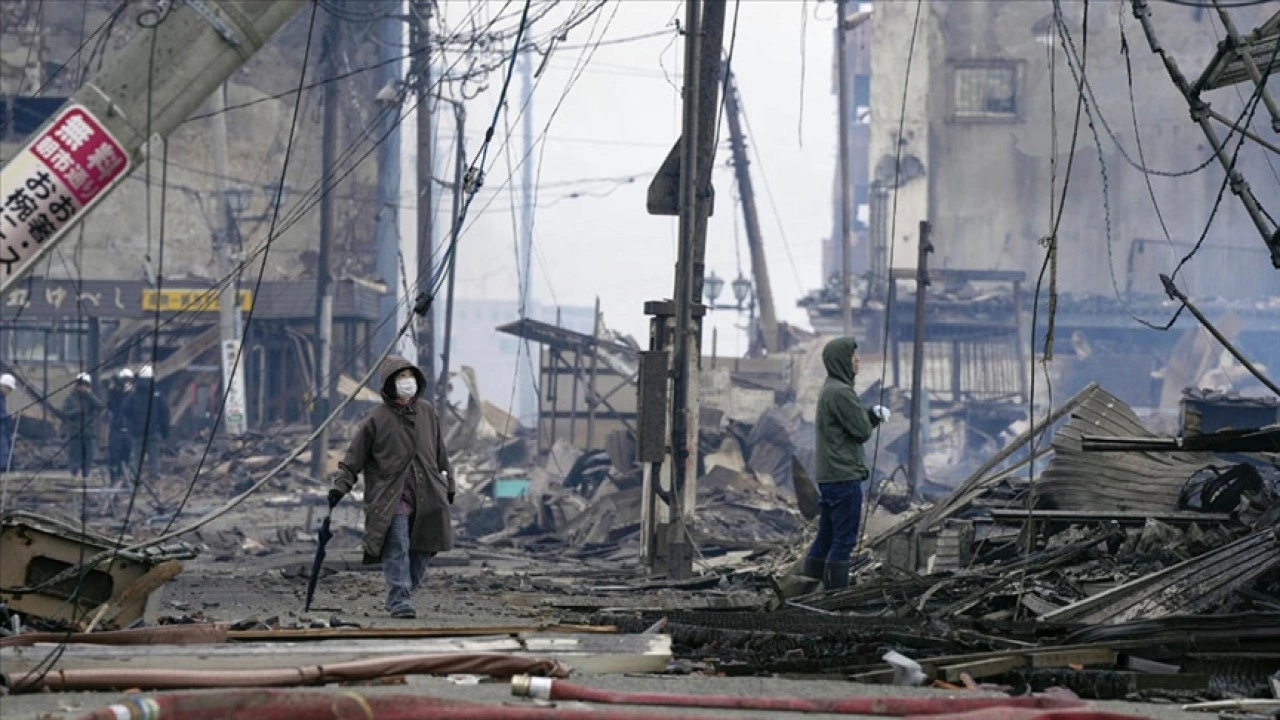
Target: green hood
{"x":837,"y":356}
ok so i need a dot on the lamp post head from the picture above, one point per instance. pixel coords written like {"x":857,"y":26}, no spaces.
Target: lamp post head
{"x":741,"y":289}
{"x":711,"y":287}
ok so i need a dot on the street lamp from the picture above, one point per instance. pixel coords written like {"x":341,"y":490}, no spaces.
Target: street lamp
{"x":741,"y":289}
{"x":238,"y":198}
{"x":713,"y":285}
{"x":711,"y":288}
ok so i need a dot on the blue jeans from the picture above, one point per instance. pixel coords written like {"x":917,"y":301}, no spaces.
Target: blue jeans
{"x":403,"y":568}
{"x":838,"y":522}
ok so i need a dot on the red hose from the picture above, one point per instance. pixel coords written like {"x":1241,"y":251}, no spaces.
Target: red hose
{"x":298,"y":705}
{"x":301,"y":705}
{"x":549,"y":689}
{"x":494,"y":664}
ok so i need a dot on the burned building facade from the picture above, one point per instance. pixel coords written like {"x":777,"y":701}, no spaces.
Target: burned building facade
{"x":988,"y":90}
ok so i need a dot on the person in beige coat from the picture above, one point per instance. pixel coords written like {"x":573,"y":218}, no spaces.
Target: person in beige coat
{"x":408,"y":488}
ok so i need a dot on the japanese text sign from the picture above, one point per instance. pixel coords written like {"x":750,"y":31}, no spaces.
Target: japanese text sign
{"x":56,"y":178}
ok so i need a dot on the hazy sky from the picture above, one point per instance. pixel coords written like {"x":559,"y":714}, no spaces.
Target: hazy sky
{"x":618,"y":121}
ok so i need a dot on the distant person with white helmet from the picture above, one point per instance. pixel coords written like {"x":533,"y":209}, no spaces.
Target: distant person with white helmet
{"x":8,"y":428}
{"x":148,"y":415}
{"x":120,"y":437}
{"x":80,"y":413}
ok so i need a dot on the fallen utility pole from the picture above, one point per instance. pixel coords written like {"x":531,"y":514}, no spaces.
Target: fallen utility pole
{"x":915,"y":454}
{"x":767,"y":334}
{"x":226,"y":247}
{"x":100,"y":135}
{"x":1176,"y":294}
{"x":322,"y":383}
{"x":1200,"y":113}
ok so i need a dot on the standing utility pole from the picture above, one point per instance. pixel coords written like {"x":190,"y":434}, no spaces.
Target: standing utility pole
{"x":459,"y":174}
{"x":528,"y":400}
{"x":915,"y":452}
{"x":323,"y":383}
{"x":421,"y":49}
{"x":755,"y":239}
{"x":704,"y":29}
{"x":846,"y":190}
{"x":226,"y":243}
{"x":391,"y":75}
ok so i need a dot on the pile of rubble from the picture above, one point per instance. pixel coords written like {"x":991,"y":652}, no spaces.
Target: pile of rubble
{"x":1150,"y":569}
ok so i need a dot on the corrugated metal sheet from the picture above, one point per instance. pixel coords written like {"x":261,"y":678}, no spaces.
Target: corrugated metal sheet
{"x":1131,"y":481}
{"x":1190,"y":587}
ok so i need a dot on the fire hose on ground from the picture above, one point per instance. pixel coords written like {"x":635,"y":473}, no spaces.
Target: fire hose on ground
{"x":263,"y":704}
{"x":494,"y":664}
{"x":544,"y":688}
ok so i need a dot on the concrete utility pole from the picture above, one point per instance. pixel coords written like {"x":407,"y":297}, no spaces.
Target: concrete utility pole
{"x":768,"y":330}
{"x":421,"y":43}
{"x":915,"y":450}
{"x":459,"y":174}
{"x":193,"y":56}
{"x":323,"y":383}
{"x":846,"y":190}
{"x":704,"y":31}
{"x":390,"y":30}
{"x":405,"y":277}
{"x":226,"y":244}
{"x":528,"y":400}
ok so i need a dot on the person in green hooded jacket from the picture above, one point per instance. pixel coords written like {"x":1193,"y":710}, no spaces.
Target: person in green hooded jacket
{"x":842,"y":426}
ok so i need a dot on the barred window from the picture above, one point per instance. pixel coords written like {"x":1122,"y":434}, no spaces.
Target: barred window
{"x":985,"y":91}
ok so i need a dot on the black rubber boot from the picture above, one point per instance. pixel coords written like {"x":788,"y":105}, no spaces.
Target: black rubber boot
{"x":814,"y":567}
{"x":837,"y":576}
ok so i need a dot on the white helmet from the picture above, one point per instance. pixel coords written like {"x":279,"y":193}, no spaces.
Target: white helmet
{"x":9,"y":381}
{"x":145,"y":372}
{"x":84,"y":378}
{"x":125,"y":374}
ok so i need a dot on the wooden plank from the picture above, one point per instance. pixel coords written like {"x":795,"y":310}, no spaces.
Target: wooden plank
{"x":388,"y":633}
{"x":1037,"y":604}
{"x":588,"y":653}
{"x":1078,"y":656}
{"x":982,"y":668}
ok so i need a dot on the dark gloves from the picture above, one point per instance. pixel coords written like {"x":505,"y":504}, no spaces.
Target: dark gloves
{"x":334,"y":497}
{"x":449,"y":496}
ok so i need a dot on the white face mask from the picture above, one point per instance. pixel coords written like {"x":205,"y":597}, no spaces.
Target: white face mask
{"x":406,"y":388}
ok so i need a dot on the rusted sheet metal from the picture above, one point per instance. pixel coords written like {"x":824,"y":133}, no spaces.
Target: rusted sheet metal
{"x":37,"y":547}
{"x":1193,"y":586}
{"x":1135,"y":482}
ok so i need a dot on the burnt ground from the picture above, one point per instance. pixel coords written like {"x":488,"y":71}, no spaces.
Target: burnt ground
{"x":490,"y":590}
